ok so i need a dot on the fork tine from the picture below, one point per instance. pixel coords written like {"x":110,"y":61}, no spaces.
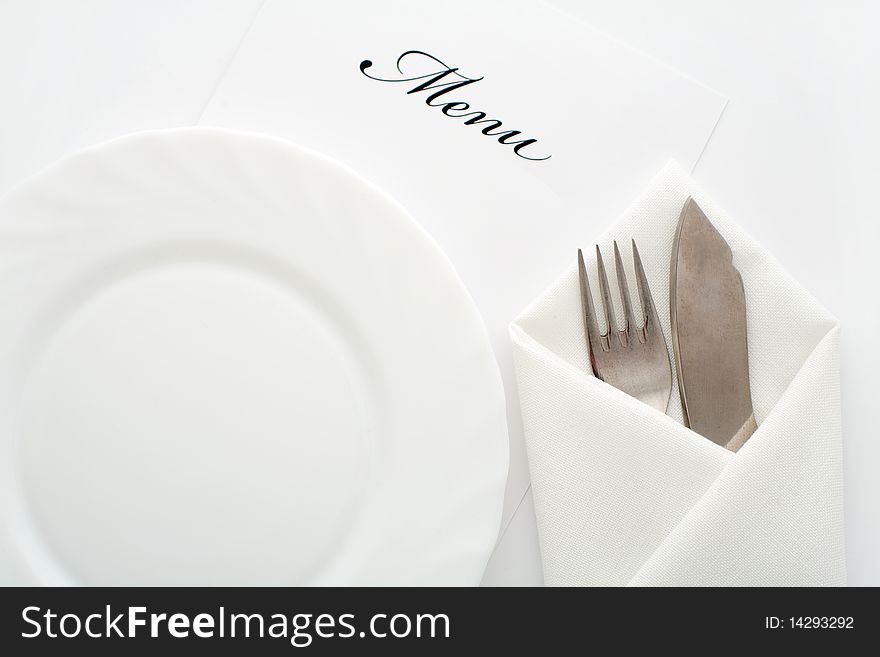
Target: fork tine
{"x":629,"y":319}
{"x":650,"y":315}
{"x":592,"y":328}
{"x":610,"y":320}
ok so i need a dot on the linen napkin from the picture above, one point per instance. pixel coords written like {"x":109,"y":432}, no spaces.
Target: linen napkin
{"x":625,"y":495}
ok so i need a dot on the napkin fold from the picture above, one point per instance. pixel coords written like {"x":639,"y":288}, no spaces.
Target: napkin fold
{"x":625,"y":495}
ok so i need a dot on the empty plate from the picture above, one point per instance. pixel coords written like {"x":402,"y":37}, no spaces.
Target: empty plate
{"x":228,"y":360}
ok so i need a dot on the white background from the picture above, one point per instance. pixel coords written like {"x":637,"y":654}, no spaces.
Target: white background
{"x":793,"y":159}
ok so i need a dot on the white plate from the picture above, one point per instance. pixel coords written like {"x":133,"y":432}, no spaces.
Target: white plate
{"x":227,"y":360}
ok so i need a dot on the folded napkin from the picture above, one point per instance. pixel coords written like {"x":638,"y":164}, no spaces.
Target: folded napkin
{"x":627,"y":495}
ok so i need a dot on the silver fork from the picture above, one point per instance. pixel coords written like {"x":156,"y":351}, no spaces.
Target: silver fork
{"x":633,"y":359}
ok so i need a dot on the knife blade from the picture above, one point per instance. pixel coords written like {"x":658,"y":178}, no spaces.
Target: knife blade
{"x":708,"y":313}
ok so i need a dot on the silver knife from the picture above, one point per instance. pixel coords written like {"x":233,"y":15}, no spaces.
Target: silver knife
{"x":708,"y":312}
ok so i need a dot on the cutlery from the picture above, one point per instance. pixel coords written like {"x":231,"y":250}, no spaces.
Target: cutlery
{"x":708,"y":314}
{"x":634,"y":358}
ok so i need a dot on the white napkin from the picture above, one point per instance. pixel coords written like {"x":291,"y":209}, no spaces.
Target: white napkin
{"x":627,"y":495}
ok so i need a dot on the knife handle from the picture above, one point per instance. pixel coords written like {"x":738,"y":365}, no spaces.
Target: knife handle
{"x":741,"y":436}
